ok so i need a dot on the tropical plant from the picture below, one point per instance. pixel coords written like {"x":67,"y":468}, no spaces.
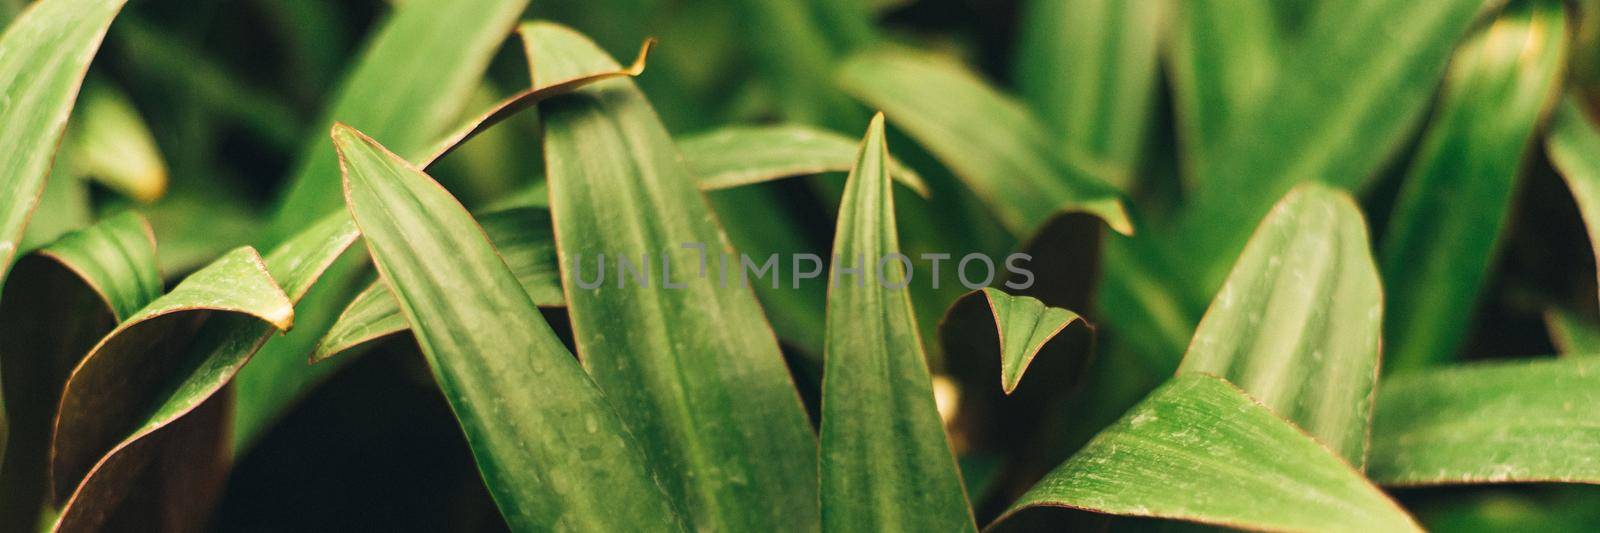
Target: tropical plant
{"x":1245,"y":264}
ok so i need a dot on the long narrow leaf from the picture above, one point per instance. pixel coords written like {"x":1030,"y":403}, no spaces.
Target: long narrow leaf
{"x":990,"y":141}
{"x":1089,"y":68}
{"x":690,"y":363}
{"x":554,"y":457}
{"x":521,"y":236}
{"x":1457,"y":195}
{"x":744,"y":155}
{"x":1363,"y":77}
{"x":886,"y":463}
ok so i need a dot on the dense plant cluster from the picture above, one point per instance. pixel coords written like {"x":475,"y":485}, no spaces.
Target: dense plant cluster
{"x":800,"y":265}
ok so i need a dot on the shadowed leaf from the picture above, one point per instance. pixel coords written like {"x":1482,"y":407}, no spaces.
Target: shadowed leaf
{"x":1574,"y":148}
{"x":58,"y":302}
{"x":122,"y":386}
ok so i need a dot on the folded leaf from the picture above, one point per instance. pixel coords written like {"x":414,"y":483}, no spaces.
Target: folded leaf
{"x":689,"y":361}
{"x":744,"y":155}
{"x":555,"y":456}
{"x":1297,"y":323}
{"x":1447,"y":220}
{"x":1200,"y":450}
{"x":520,"y":235}
{"x":58,"y":302}
{"x":886,"y":463}
{"x":990,"y":141}
{"x":1023,"y":327}
{"x":125,"y":384}
{"x":1515,"y":422}
{"x":1089,"y":69}
{"x":44,"y":54}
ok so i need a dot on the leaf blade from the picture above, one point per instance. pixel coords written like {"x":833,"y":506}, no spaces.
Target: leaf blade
{"x":733,"y":443}
{"x":886,"y":462}
{"x":474,"y":344}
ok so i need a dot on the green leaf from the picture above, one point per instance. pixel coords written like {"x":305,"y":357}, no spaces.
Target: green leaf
{"x":122,"y":386}
{"x":692,"y":367}
{"x":1023,"y":327}
{"x":520,"y":235}
{"x":1354,"y":87}
{"x":44,"y":54}
{"x":1223,"y":55}
{"x":189,"y":407}
{"x":112,"y":145}
{"x":1574,"y":148}
{"x":1515,"y":422}
{"x":1200,"y":450}
{"x":1089,"y":69}
{"x":1448,"y":218}
{"x":743,"y":155}
{"x":554,"y":456}
{"x":989,"y":140}
{"x":1297,"y":323}
{"x":58,"y":302}
{"x":417,"y":72}
{"x":268,"y":388}
{"x":886,"y":463}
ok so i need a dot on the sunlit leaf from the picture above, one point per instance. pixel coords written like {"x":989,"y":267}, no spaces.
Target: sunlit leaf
{"x":112,"y":145}
{"x":1023,"y":327}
